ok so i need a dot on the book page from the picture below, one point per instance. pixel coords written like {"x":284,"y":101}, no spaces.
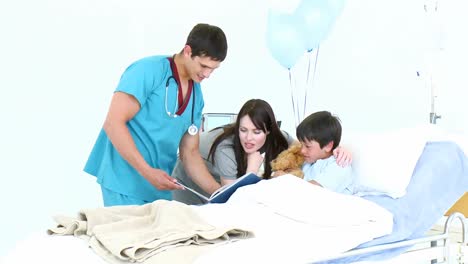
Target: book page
{"x":220,"y":190}
{"x":222,"y":194}
{"x":195,"y":192}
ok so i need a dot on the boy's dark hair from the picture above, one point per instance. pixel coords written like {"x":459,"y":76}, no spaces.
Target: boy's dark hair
{"x":321,"y":127}
{"x":208,"y":40}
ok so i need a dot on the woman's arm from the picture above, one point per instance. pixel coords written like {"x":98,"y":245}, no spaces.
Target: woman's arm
{"x":343,"y":156}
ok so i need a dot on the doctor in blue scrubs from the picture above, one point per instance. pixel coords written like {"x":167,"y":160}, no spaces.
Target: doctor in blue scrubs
{"x":156,"y":111}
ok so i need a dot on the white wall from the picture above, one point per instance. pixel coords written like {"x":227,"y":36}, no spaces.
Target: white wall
{"x":61,"y":60}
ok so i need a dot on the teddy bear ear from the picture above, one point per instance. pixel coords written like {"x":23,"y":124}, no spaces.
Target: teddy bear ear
{"x":298,"y":148}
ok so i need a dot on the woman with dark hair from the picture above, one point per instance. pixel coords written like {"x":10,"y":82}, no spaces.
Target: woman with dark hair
{"x":256,"y":139}
{"x":246,"y":146}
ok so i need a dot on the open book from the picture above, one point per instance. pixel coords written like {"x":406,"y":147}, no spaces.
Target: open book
{"x":222,"y":194}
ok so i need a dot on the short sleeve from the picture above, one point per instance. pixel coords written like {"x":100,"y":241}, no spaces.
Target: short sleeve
{"x":225,"y":162}
{"x":330,"y":175}
{"x":140,"y":78}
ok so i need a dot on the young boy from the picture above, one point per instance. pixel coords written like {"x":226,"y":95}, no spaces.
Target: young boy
{"x":320,"y":134}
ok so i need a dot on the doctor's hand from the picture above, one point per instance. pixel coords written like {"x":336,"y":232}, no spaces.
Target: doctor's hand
{"x":343,"y":156}
{"x":161,"y":180}
{"x":254,"y":161}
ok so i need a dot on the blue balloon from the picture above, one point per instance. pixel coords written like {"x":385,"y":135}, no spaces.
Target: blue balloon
{"x":336,"y":7}
{"x":315,"y":18}
{"x":283,"y":39}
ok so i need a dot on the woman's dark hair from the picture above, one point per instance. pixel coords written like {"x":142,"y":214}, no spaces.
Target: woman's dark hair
{"x":262,"y":116}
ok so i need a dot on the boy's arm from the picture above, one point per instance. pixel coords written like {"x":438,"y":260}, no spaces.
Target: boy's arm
{"x":334,"y":177}
{"x":315,"y":182}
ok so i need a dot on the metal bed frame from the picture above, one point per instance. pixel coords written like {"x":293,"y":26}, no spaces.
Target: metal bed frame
{"x":217,"y":119}
{"x":437,"y":245}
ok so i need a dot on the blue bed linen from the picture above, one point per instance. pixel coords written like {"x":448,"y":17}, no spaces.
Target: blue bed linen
{"x":439,"y":179}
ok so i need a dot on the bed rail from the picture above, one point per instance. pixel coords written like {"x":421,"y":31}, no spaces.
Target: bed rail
{"x":428,"y":243}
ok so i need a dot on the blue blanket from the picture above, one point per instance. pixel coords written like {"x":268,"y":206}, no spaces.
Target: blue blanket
{"x":439,"y":179}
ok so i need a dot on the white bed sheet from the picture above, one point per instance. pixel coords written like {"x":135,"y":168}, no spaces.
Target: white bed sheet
{"x":293,"y":221}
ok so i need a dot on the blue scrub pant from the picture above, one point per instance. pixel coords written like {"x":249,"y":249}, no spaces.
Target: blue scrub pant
{"x":111,"y":198}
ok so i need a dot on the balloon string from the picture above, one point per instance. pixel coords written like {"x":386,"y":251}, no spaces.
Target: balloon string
{"x":298,"y":115}
{"x":313,"y":76}
{"x":292,"y":95}
{"x":316,"y":60}
{"x":308,"y":68}
{"x":307,"y":83}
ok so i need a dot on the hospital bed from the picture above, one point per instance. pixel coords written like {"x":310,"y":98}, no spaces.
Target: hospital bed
{"x":441,"y":246}
{"x":314,"y":225}
{"x":430,"y":193}
{"x":212,"y":120}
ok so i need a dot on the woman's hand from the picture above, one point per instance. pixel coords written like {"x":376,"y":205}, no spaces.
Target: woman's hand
{"x":254,"y":161}
{"x":343,"y":156}
{"x":278,"y":173}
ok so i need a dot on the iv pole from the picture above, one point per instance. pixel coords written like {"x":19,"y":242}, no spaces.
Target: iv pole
{"x":431,"y":9}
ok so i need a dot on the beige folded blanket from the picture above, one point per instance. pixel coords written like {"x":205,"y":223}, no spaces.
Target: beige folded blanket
{"x":139,"y":233}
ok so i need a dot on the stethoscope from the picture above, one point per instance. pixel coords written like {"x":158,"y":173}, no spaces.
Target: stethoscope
{"x":192,"y":130}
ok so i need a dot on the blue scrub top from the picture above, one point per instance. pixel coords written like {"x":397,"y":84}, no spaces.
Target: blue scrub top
{"x":156,"y":135}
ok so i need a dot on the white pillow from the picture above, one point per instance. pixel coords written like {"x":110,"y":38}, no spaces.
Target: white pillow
{"x":383,"y":162}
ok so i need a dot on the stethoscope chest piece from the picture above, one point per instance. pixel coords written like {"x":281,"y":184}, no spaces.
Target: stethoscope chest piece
{"x":193,"y":130}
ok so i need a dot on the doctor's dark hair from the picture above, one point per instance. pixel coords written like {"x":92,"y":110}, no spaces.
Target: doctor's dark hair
{"x":208,"y":40}
{"x":262,"y":116}
{"x":321,"y":127}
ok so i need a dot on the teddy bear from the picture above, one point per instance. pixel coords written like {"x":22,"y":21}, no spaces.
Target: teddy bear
{"x":289,"y":161}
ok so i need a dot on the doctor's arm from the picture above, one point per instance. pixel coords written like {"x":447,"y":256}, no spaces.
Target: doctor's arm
{"x":194,"y":164}
{"x":123,"y":108}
